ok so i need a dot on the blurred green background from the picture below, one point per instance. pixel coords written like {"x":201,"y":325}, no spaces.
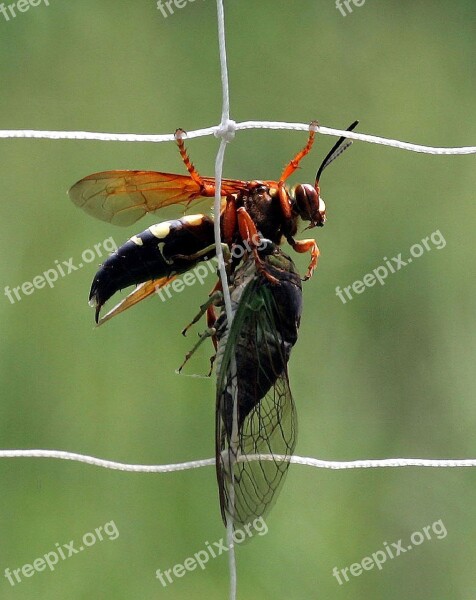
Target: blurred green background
{"x":390,"y":373}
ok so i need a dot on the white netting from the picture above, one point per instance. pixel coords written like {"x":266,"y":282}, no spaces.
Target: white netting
{"x":226,"y":132}
{"x":335,"y":465}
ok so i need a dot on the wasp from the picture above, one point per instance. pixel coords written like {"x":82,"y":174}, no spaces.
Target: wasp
{"x":154,"y":257}
{"x":255,"y":412}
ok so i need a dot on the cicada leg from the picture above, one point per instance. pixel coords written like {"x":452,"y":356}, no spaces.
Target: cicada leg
{"x":202,"y":337}
{"x":215,"y":299}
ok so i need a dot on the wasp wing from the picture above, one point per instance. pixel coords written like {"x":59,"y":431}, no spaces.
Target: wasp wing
{"x":123,"y":197}
{"x":253,"y":381}
{"x":141,"y":292}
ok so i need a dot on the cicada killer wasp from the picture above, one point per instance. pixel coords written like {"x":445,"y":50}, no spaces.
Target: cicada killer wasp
{"x":161,"y":252}
{"x":253,"y":351}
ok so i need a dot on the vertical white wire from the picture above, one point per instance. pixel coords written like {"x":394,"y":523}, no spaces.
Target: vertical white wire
{"x":216,"y":212}
{"x":225,"y":115}
{"x":223,"y":276}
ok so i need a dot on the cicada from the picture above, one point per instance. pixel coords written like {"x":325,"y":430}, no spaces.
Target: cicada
{"x":255,"y":412}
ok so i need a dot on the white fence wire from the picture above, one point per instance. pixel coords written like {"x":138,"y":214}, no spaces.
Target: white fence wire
{"x":335,"y":465}
{"x":226,"y":131}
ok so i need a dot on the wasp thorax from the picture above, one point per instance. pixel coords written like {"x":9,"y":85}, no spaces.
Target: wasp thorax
{"x":309,"y":205}
{"x":260,"y":192}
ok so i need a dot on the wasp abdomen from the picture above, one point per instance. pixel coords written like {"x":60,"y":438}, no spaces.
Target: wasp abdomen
{"x":161,"y":250}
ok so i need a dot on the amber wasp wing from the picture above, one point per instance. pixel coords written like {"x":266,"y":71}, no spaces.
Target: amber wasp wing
{"x":123,"y":197}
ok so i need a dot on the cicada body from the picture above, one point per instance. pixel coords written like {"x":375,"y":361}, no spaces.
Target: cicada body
{"x":255,"y":412}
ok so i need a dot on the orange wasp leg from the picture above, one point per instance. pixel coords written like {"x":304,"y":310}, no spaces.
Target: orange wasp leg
{"x":229,"y":220}
{"x":311,"y":246}
{"x":294,"y":163}
{"x":205,"y":190}
{"x":249,"y":234}
{"x":291,"y":167}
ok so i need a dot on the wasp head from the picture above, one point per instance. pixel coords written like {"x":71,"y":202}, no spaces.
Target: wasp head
{"x":309,"y":205}
{"x":307,"y":200}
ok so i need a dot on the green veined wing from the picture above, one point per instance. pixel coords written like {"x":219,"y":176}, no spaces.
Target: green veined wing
{"x":252,"y":367}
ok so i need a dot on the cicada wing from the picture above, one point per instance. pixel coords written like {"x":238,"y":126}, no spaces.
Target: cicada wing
{"x":248,"y":485}
{"x":253,"y":372}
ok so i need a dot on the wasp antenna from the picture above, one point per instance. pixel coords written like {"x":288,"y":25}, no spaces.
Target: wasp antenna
{"x":339,"y":147}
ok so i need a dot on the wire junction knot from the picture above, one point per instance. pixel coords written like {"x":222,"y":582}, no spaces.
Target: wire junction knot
{"x":226,"y":130}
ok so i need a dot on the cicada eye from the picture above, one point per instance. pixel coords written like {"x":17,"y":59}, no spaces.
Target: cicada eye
{"x":309,"y":206}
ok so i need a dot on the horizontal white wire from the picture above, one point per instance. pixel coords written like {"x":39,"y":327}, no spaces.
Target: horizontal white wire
{"x":208,"y":462}
{"x":169,"y":137}
{"x":106,"y":464}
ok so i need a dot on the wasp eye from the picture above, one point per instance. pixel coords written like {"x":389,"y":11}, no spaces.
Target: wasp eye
{"x":308,"y":205}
